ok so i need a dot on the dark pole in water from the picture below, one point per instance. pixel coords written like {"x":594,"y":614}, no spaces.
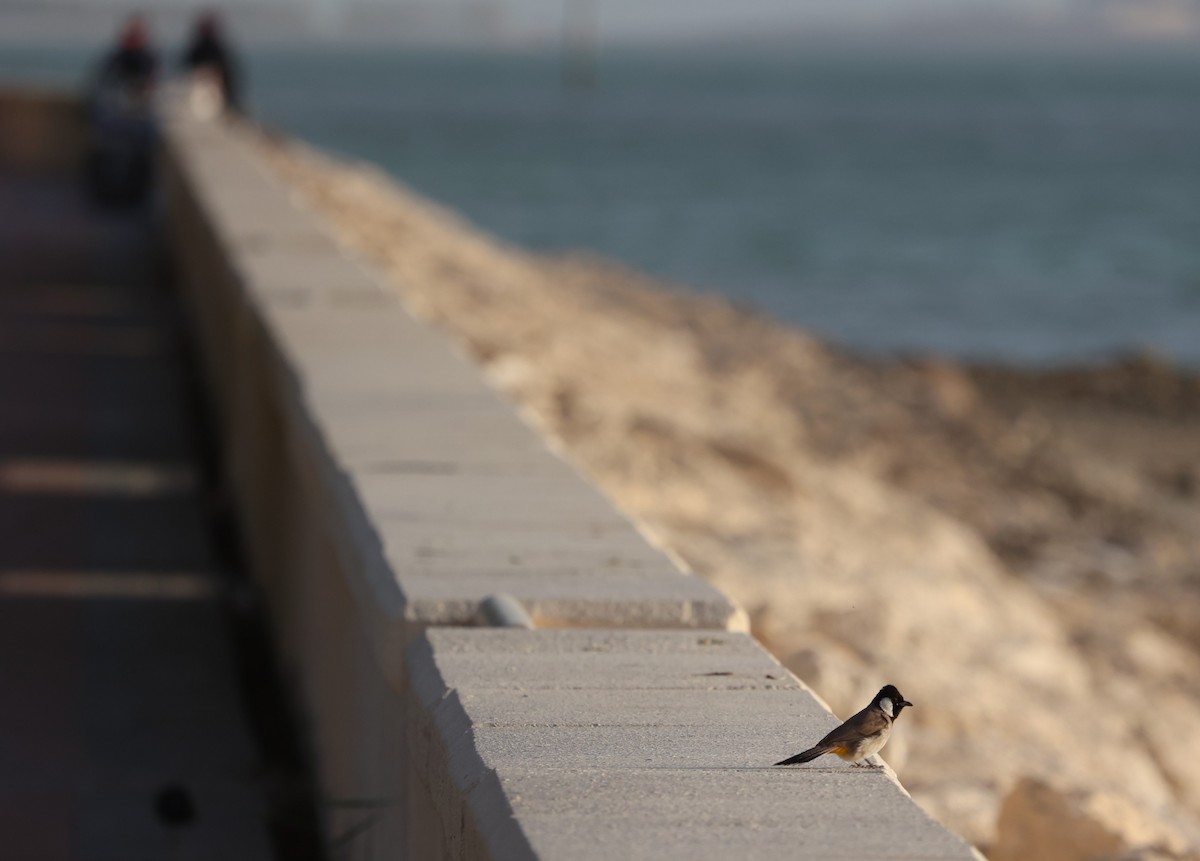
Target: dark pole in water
{"x":579,"y":44}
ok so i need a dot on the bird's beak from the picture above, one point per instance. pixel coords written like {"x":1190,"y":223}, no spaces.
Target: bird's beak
{"x":906,"y":703}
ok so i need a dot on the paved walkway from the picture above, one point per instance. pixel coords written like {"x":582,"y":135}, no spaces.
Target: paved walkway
{"x":122,"y":731}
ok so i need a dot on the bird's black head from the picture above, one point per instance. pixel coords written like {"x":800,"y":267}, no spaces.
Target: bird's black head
{"x":891,"y":701}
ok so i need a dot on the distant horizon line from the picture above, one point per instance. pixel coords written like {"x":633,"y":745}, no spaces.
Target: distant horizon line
{"x":271,"y":24}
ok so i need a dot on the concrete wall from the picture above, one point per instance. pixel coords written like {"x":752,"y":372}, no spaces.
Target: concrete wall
{"x":386,"y":490}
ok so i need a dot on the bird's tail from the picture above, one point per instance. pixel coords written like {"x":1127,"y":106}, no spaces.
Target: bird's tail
{"x":807,"y":756}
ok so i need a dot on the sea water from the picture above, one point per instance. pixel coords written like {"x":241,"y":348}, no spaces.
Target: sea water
{"x":1022,"y":207}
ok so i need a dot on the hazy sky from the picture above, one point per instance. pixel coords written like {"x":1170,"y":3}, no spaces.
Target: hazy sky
{"x":685,"y":19}
{"x":521,"y":22}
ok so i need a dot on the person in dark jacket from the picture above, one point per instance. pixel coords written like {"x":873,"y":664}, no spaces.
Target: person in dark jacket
{"x":133,"y":63}
{"x":208,"y":53}
{"x":120,"y":107}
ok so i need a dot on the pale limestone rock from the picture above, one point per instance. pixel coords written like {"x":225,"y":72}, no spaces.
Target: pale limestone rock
{"x":1172,"y":733}
{"x":1153,"y":854}
{"x":1041,"y":823}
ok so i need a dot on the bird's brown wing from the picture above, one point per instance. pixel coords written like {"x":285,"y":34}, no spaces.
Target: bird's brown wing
{"x":868,"y":722}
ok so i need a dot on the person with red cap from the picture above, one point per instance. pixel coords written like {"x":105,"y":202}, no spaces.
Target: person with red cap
{"x":134,"y":62}
{"x":120,"y":159}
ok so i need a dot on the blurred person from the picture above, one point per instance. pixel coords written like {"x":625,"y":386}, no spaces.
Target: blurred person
{"x":211,"y":68}
{"x":133,"y":63}
{"x":120,"y":108}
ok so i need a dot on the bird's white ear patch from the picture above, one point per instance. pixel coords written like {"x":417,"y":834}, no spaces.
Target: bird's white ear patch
{"x":888,"y":707}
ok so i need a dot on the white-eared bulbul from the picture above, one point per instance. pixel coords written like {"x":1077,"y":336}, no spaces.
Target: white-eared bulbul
{"x":863,"y":734}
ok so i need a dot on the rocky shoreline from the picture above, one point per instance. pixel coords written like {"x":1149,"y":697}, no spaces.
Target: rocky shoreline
{"x":1017,"y":551}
